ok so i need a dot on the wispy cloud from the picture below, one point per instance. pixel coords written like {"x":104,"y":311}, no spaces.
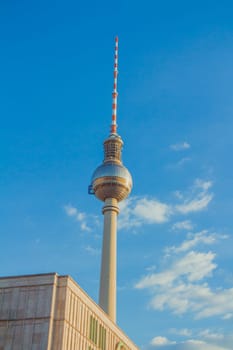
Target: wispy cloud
{"x":92,"y":251}
{"x":151,"y":268}
{"x":180,"y":146}
{"x":182,"y":287}
{"x":208,"y":334}
{"x":85,"y":220}
{"x":195,"y":239}
{"x":204,"y":185}
{"x":158,"y":341}
{"x":178,"y":194}
{"x":136,"y":211}
{"x":197,"y":199}
{"x":195,"y":204}
{"x":183,"y":331}
{"x":228,"y":316}
{"x":190,"y":344}
{"x":182,"y":225}
{"x":183,"y":161}
{"x":185,"y":267}
{"x":206,"y":339}
{"x":179,"y":164}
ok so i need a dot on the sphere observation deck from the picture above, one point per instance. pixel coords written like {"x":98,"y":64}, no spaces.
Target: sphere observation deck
{"x":111,"y":179}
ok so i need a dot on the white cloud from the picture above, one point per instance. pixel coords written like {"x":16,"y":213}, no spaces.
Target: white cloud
{"x":179,"y":164}
{"x":196,"y":204}
{"x":197,"y":299}
{"x":194,"y":239}
{"x":220,"y":304}
{"x":78,"y":216}
{"x":182,"y":288}
{"x":84,"y":226}
{"x":194,"y":344}
{"x":158,"y":341}
{"x":198,"y":199}
{"x":151,"y":268}
{"x":183,"y":161}
{"x":92,"y":251}
{"x":136,"y":211}
{"x":180,"y":146}
{"x":183,"y":225}
{"x":191,"y":344}
{"x":208,"y":334}
{"x":178,"y":194}
{"x":227,"y":316}
{"x":194,"y":266}
{"x":152,"y":211}
{"x":71,"y":211}
{"x":204,"y":185}
{"x":183,"y":331}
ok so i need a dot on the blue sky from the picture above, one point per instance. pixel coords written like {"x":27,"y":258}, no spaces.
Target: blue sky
{"x":175,"y":281}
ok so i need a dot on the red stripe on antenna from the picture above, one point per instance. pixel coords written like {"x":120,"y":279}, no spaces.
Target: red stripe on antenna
{"x":114,"y":93}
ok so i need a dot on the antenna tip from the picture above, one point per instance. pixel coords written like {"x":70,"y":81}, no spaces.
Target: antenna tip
{"x":116,"y":39}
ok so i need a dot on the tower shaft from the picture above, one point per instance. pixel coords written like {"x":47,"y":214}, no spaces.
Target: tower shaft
{"x":107,"y":293}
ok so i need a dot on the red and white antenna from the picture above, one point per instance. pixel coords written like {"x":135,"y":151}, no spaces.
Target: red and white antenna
{"x":115,"y":93}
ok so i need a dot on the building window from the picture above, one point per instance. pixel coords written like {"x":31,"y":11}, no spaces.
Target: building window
{"x":102,"y":338}
{"x":121,"y":346}
{"x":93,"y":329}
{"x":97,"y":333}
{"x":112,"y":150}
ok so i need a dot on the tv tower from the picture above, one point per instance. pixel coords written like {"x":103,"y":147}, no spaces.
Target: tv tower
{"x":111,"y":183}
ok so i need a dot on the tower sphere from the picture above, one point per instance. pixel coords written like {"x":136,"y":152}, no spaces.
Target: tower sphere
{"x":111,"y":180}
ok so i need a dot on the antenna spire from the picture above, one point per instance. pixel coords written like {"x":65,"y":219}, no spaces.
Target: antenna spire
{"x":115,"y":93}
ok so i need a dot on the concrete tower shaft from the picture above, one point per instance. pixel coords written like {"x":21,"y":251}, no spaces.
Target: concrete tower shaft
{"x":108,"y":284}
{"x":111,"y":183}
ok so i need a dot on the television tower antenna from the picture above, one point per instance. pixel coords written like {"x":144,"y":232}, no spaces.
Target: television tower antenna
{"x":115,"y":93}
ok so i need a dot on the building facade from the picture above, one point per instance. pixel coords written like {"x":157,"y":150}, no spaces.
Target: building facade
{"x":51,"y":312}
